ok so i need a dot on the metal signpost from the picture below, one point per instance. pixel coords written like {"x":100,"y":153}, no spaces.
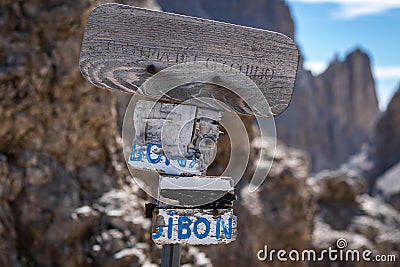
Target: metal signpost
{"x":176,"y":131}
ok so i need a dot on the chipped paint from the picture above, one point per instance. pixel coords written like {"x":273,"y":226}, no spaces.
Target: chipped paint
{"x":194,"y":226}
{"x":173,"y":139}
{"x":146,"y":157}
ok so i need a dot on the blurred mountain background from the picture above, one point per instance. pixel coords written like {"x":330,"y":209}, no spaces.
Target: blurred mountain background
{"x":66,"y":198}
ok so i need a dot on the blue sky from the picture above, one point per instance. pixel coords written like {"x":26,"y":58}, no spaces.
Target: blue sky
{"x":329,"y":28}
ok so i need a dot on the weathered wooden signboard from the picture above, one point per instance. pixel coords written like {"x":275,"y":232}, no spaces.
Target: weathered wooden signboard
{"x":123,"y":46}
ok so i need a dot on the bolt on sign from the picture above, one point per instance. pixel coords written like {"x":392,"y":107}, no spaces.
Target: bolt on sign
{"x":189,"y":71}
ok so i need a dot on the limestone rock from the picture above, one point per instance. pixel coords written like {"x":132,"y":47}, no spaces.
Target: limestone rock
{"x":11,"y":181}
{"x":337,"y":186}
{"x":365,"y":223}
{"x":388,"y":136}
{"x":387,"y":186}
{"x":46,"y":104}
{"x":8,"y":235}
{"x":42,"y":214}
{"x":122,"y":236}
{"x":279,"y":214}
{"x":332,"y":115}
{"x":58,"y":132}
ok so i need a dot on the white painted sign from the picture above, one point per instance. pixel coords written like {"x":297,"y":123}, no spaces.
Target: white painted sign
{"x":194,"y":226}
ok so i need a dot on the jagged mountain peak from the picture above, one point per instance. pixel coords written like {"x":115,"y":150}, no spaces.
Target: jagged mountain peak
{"x":333,"y":114}
{"x":387,"y":135}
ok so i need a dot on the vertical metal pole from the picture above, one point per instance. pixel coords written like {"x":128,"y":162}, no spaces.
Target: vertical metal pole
{"x":171,"y":255}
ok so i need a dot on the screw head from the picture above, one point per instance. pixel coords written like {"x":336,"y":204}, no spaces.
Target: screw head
{"x":215,"y":213}
{"x":151,"y":69}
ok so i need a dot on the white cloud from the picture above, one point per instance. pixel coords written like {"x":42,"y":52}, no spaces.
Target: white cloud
{"x":384,"y":72}
{"x":386,"y":77}
{"x":379,"y":72}
{"x":355,"y":8}
{"x":316,"y":67}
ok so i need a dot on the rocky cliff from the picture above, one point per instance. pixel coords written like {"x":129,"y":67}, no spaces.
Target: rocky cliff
{"x":387,"y":186}
{"x":388,"y":136}
{"x":343,"y":212}
{"x":57,"y":136}
{"x":386,"y":174}
{"x":332,"y":115}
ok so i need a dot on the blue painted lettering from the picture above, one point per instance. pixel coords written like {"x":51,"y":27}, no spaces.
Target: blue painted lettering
{"x":191,"y":165}
{"x":136,"y":154}
{"x":227,"y":231}
{"x":148,"y":154}
{"x":170,"y":224}
{"x":184,"y":224}
{"x":181,"y":162}
{"x":159,"y":233}
{"x":206,"y":231}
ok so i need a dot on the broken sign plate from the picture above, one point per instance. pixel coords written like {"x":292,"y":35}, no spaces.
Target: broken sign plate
{"x":194,"y":226}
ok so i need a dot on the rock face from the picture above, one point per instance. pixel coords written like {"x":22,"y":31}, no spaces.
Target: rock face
{"x":279,"y":214}
{"x":44,"y":100}
{"x":384,"y":174}
{"x":338,"y":186}
{"x":332,"y":115}
{"x":388,"y":136}
{"x":271,"y":15}
{"x":387,"y":186}
{"x":57,"y":136}
{"x":294,"y":211}
{"x":364,"y":222}
{"x":8,"y":234}
{"x":53,"y":125}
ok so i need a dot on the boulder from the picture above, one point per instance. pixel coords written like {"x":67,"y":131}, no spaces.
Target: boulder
{"x":387,"y":186}
{"x":337,"y":185}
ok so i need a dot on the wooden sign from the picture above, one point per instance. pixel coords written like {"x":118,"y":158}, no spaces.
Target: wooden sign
{"x":123,"y":46}
{"x":194,"y":226}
